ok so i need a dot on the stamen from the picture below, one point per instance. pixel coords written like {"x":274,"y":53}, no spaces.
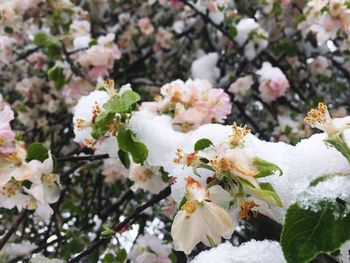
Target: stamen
{"x":189,"y":207}
{"x":318,"y":115}
{"x":95,"y":112}
{"x":238,"y":134}
{"x":245,"y":208}
{"x":109,"y":87}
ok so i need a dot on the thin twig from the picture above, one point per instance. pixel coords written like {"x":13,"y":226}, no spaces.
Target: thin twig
{"x":94,"y":245}
{"x":82,"y":158}
{"x":13,"y":228}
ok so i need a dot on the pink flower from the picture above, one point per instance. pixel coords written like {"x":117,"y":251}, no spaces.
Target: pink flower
{"x":6,"y":134}
{"x":241,"y":87}
{"x":98,"y":71}
{"x":176,"y":3}
{"x":285,"y":3}
{"x":273,"y":83}
{"x":145,"y":26}
{"x":37,"y":59}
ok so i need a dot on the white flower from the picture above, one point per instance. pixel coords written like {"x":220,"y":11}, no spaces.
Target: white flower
{"x":149,"y":248}
{"x":11,"y":196}
{"x":44,"y":189}
{"x":202,"y":218}
{"x":42,"y":259}
{"x":85,"y":113}
{"x":114,"y":170}
{"x":241,"y":87}
{"x":148,"y":178}
{"x":13,"y":250}
{"x":320,"y":119}
{"x":250,"y":34}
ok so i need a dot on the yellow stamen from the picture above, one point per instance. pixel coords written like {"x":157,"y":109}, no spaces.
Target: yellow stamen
{"x":80,"y":124}
{"x":96,"y":110}
{"x":238,"y":134}
{"x":222,"y":166}
{"x":179,"y":155}
{"x":2,"y":141}
{"x":109,"y":87}
{"x":13,"y":158}
{"x":49,"y":179}
{"x":318,"y":115}
{"x":245,"y":208}
{"x":9,"y":190}
{"x":185,"y":127}
{"x":189,"y":207}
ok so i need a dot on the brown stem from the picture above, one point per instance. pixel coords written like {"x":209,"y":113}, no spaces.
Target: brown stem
{"x":13,"y":228}
{"x":155,"y":199}
{"x":83,"y":158}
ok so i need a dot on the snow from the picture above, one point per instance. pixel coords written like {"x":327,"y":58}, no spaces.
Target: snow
{"x":330,"y":189}
{"x":205,"y":67}
{"x":345,"y":252}
{"x":249,"y":252}
{"x":300,"y":164}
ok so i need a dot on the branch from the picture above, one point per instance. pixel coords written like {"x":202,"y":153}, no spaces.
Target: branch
{"x":155,"y":199}
{"x":13,"y":228}
{"x":83,"y":158}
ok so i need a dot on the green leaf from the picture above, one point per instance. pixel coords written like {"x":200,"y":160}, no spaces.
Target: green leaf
{"x":40,"y":39}
{"x":128,"y":143}
{"x":202,"y":144}
{"x":324,"y":178}
{"x":265,"y":168}
{"x":130,"y":97}
{"x":100,"y":125}
{"x":8,"y":30}
{"x":56,"y":75}
{"x":124,"y":158}
{"x":121,"y":256}
{"x":233,"y":31}
{"x":107,"y":232}
{"x":108,"y":258}
{"x":267,"y":192}
{"x":300,"y":18}
{"x":277,"y":9}
{"x":37,"y":151}
{"x":308,"y":233}
{"x":52,"y":45}
{"x":123,"y":103}
{"x":183,"y":201}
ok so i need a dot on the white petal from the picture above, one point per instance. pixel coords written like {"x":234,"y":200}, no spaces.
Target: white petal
{"x":218,"y":219}
{"x":219,"y":196}
{"x":52,"y":193}
{"x":187,"y":232}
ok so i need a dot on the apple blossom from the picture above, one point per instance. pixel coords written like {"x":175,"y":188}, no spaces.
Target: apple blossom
{"x":273,"y":83}
{"x":201,"y":218}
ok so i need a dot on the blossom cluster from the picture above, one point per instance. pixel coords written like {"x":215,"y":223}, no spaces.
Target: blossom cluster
{"x":25,"y":185}
{"x":191,"y":104}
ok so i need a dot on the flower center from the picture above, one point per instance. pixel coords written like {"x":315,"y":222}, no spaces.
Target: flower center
{"x":189,"y":207}
{"x":317,"y":115}
{"x":245,"y":208}
{"x":9,"y":189}
{"x":49,"y":179}
{"x":2,"y":141}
